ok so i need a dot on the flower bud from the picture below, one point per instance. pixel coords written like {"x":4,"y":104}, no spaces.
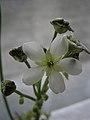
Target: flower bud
{"x":21,"y":100}
{"x":8,"y":87}
{"x":60,"y":25}
{"x":39,"y":103}
{"x":18,"y":54}
{"x":74,"y":48}
{"x":35,"y":109}
{"x":45,"y":97}
{"x":79,"y":45}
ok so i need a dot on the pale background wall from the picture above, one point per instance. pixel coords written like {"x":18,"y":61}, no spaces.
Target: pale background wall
{"x":28,"y":20}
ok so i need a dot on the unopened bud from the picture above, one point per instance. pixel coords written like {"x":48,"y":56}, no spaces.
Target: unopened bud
{"x":79,"y":45}
{"x":18,"y":54}
{"x":60,"y":25}
{"x":74,"y":48}
{"x":21,"y":100}
{"x":8,"y":87}
{"x":45,"y":97}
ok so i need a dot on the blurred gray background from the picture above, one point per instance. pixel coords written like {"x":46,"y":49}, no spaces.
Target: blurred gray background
{"x":29,"y":20}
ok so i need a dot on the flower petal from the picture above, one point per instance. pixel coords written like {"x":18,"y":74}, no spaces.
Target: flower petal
{"x":33,"y":51}
{"x":32,"y":75}
{"x":71,"y":66}
{"x":56,"y":82}
{"x":59,"y":46}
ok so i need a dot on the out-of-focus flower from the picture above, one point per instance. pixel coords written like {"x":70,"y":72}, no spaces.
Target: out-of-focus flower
{"x":50,"y":62}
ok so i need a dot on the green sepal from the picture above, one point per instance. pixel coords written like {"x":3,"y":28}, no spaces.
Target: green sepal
{"x":45,"y":97}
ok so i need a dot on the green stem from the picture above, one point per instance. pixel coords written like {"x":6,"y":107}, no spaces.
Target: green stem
{"x":24,"y":95}
{"x":1,"y":75}
{"x":38,"y":93}
{"x":37,"y":108}
{"x":54,"y":36}
{"x":39,"y":90}
{"x":39,"y":87}
{"x":44,"y":88}
{"x":35,"y":92}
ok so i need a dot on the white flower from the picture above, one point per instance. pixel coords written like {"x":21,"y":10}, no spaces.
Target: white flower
{"x":50,"y":62}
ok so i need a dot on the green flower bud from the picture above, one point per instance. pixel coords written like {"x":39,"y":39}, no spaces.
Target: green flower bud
{"x":39,"y":103}
{"x":79,"y":45}
{"x":18,"y":54}
{"x":74,"y":48}
{"x":45,"y":97}
{"x":72,"y":39}
{"x":35,"y":109}
{"x":8,"y":87}
{"x":60,"y":25}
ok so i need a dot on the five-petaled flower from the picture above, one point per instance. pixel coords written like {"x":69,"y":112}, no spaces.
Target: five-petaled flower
{"x":52,"y":63}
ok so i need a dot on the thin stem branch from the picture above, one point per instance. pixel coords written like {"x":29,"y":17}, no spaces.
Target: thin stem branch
{"x":7,"y":107}
{"x":24,"y":95}
{"x":38,"y":93}
{"x":39,"y":88}
{"x":35,"y":92}
{"x":27,"y":64}
{"x":54,"y":36}
{"x":45,"y":85}
{"x":2,"y":77}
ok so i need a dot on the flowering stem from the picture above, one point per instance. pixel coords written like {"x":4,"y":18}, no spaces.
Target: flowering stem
{"x":1,"y":76}
{"x":35,"y":92}
{"x":45,"y":88}
{"x":38,"y":93}
{"x":24,"y":95}
{"x":39,"y":87}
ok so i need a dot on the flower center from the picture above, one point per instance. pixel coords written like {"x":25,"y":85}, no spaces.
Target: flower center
{"x":50,"y":64}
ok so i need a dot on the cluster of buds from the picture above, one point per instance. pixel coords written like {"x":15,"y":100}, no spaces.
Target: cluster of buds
{"x":79,"y":45}
{"x":61,"y":26}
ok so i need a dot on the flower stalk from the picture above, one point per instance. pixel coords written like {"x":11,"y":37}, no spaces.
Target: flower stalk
{"x":24,"y":95}
{"x":40,"y":97}
{"x":28,"y":65}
